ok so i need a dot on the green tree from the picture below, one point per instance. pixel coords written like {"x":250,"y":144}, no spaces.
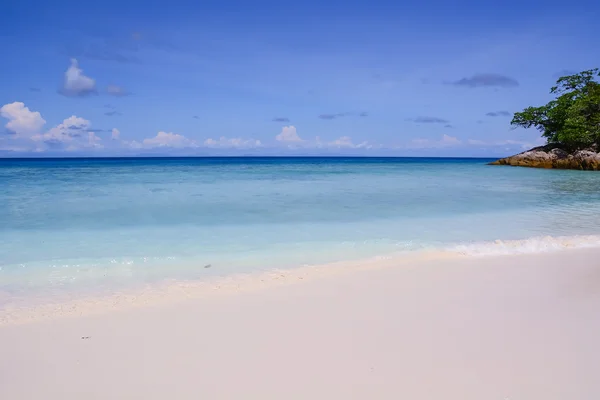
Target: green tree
{"x":572,"y":119}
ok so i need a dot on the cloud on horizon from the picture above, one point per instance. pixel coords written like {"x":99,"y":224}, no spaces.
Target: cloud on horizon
{"x":522,"y":145}
{"x":232,"y":143}
{"x":168,"y":139}
{"x":344,"y":142}
{"x":445,"y":141}
{"x":27,"y":132}
{"x":70,"y":129}
{"x":22,"y":122}
{"x":288,"y":135}
{"x":76,"y":134}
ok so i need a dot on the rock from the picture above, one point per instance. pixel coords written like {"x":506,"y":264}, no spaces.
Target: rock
{"x":559,"y":153}
{"x":554,"y":156}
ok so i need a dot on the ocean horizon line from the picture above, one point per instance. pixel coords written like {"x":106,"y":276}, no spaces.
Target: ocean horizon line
{"x":20,"y":158}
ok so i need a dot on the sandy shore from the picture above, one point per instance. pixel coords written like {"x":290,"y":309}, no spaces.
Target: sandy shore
{"x":513,"y":327}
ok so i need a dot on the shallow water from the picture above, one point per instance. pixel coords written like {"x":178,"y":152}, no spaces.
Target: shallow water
{"x":84,"y":224}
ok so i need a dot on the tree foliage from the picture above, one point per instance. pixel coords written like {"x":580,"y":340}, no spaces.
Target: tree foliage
{"x":572,"y":119}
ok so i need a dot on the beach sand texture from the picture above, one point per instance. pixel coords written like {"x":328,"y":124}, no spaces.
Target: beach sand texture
{"x":522,"y":327}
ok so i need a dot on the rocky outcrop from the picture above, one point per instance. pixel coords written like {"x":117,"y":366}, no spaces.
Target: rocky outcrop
{"x":553,"y":156}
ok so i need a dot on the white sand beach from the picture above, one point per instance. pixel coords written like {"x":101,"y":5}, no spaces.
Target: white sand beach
{"x":523,"y":327}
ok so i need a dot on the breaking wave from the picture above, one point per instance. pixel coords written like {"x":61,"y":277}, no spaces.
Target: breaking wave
{"x":527,"y":246}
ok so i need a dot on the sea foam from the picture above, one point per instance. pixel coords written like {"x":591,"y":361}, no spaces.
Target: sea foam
{"x":532,"y":245}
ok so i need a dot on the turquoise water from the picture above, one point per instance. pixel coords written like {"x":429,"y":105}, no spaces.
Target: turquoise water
{"x":92,"y":223}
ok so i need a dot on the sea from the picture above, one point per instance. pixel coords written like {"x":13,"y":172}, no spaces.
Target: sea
{"x":86,"y":225}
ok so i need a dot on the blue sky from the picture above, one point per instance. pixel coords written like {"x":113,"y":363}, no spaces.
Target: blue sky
{"x":427,"y":78}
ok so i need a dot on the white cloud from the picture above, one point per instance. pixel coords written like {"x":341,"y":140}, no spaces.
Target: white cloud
{"x":127,"y":144}
{"x":115,"y":90}
{"x":445,"y":141}
{"x":72,"y":128}
{"x":346,"y":142}
{"x":117,"y":142}
{"x":288,"y":134}
{"x":236,"y":143}
{"x":134,"y":144}
{"x":524,"y":145}
{"x":21,"y":120}
{"x":92,"y":142}
{"x":76,"y":83}
{"x":169,"y":139}
{"x":449,"y":140}
{"x":93,"y":139}
{"x":73,"y":133}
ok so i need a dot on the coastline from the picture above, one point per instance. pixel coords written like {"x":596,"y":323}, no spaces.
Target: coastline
{"x":174,"y":291}
{"x":554,"y":156}
{"x":518,"y":326}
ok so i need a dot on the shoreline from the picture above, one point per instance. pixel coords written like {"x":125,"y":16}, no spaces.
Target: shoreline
{"x":177,"y":291}
{"x":493,"y":327}
{"x":174,"y":291}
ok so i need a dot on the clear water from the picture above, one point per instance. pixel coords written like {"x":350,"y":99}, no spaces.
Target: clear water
{"x":91,"y":223}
